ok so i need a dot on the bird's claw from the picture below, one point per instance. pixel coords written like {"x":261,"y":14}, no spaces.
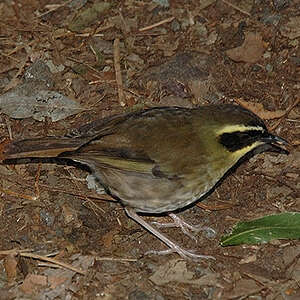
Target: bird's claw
{"x":187,"y":228}
{"x":185,"y":254}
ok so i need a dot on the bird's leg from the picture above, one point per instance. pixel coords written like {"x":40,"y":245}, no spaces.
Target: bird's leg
{"x":172,"y":245}
{"x":186,"y":227}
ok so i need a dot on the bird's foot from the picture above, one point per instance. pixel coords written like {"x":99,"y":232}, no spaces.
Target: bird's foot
{"x":186,"y":254}
{"x":186,"y":227}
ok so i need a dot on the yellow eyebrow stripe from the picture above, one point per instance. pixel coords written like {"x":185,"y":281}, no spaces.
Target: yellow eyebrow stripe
{"x":235,"y":128}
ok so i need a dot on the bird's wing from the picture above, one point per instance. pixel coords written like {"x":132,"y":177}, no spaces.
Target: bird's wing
{"x":143,"y":142}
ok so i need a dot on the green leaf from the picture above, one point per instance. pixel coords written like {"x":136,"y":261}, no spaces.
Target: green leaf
{"x":263,"y":230}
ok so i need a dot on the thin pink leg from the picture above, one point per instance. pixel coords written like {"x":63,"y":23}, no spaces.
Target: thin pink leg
{"x":172,"y":245}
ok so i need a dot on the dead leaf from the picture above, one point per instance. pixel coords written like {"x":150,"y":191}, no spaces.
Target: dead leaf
{"x":243,"y":288}
{"x":31,"y":100}
{"x":10,"y":264}
{"x":292,"y":28}
{"x":55,"y":281}
{"x":88,"y":16}
{"x":176,"y":271}
{"x":84,"y":262}
{"x":250,"y":51}
{"x":259,"y":110}
{"x":33,"y":282}
{"x":69,"y":214}
{"x":3,"y":143}
{"x":108,"y":237}
{"x":248,"y":259}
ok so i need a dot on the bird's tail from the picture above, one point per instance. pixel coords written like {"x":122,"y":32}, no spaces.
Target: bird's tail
{"x":39,"y":147}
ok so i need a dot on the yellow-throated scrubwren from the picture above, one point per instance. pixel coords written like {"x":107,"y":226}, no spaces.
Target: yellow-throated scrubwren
{"x":159,"y":160}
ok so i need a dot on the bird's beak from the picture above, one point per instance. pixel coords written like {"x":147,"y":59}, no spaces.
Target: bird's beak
{"x":277,"y":139}
{"x":274,"y":142}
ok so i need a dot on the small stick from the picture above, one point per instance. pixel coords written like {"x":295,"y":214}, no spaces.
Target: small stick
{"x":157,"y":24}
{"x":98,"y":74}
{"x":289,"y":109}
{"x":13,"y":81}
{"x":9,"y":56}
{"x":36,"y":183}
{"x":55,"y":7}
{"x":217,"y":206}
{"x":53,"y":261}
{"x":24,"y":253}
{"x":98,"y":258}
{"x":118,"y":72}
{"x":237,"y":8}
{"x":91,"y":195}
{"x":17,"y":195}
{"x":126,"y":27}
{"x":8,"y":125}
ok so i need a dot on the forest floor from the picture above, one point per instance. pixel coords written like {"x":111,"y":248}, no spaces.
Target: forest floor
{"x":61,"y":240}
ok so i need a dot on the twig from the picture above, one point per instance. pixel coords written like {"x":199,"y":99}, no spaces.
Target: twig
{"x":85,"y":197}
{"x":9,"y":56}
{"x":126,"y":28}
{"x":36,"y":183}
{"x":94,"y":195}
{"x":13,"y":81}
{"x":237,"y":8}
{"x":115,"y":259}
{"x":17,"y":195}
{"x":55,"y":7}
{"x":8,"y":125}
{"x":289,"y":109}
{"x":118,"y":72}
{"x":103,"y":28}
{"x":19,"y":47}
{"x":53,"y":261}
{"x":102,"y":81}
{"x":14,"y":251}
{"x":157,"y":24}
{"x":216,"y":206}
{"x":98,"y":74}
{"x":24,"y":253}
{"x":89,"y":34}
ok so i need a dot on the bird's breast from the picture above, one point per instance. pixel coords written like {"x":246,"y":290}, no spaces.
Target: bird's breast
{"x":149,"y":194}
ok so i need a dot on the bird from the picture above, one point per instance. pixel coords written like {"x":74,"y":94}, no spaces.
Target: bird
{"x":159,"y":160}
